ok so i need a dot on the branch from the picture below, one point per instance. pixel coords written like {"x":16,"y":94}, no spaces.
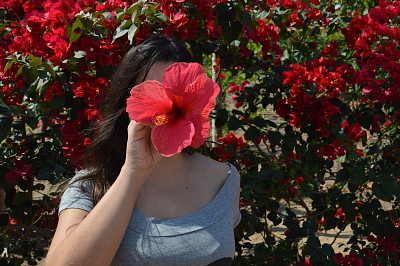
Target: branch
{"x":341,"y":230}
{"x":261,"y":151}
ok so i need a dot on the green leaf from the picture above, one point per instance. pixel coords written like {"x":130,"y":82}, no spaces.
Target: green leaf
{"x":226,"y":14}
{"x":357,"y":175}
{"x":5,"y":126}
{"x":252,"y":133}
{"x":259,"y":121}
{"x":34,"y":61}
{"x":126,"y":24}
{"x":119,"y":33}
{"x":132,"y":32}
{"x":274,"y":137}
{"x":51,"y":171}
{"x":40,"y":84}
{"x":9,"y":64}
{"x":379,"y":190}
{"x":271,"y":123}
{"x":260,"y":252}
{"x":231,"y":31}
{"x":30,"y":75}
{"x":5,"y":121}
{"x":256,"y":187}
{"x":342,"y":175}
{"x":265,"y":173}
{"x":274,"y":218}
{"x":76,"y":26}
{"x":286,"y":150}
{"x":57,"y":102}
{"x":246,"y":19}
{"x":134,"y":7}
{"x":328,"y":250}
{"x":4,"y":32}
{"x":313,"y":242}
{"x":234,"y":123}
{"x":4,"y":109}
{"x":289,"y":140}
{"x":49,"y":69}
{"x":311,"y":227}
{"x":33,"y":110}
{"x":157,"y":17}
{"x":222,"y":117}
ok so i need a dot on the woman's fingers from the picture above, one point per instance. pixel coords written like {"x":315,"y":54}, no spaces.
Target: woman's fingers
{"x":140,"y":152}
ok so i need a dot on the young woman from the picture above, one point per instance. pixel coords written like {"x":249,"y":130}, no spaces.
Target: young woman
{"x":132,"y":206}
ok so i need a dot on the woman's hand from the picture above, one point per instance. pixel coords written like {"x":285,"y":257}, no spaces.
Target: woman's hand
{"x":140,"y":152}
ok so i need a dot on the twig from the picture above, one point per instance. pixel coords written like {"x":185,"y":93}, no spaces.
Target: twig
{"x":261,"y":151}
{"x":341,"y":230}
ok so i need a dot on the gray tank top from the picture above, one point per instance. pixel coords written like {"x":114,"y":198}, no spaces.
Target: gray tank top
{"x":204,"y":237}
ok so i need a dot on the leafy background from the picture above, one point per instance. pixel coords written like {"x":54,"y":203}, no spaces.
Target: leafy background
{"x":309,"y":114}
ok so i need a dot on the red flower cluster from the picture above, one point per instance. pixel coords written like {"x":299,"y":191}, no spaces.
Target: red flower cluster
{"x":234,"y":88}
{"x":314,"y":14}
{"x":312,"y":87}
{"x":90,"y":90}
{"x":267,"y":35}
{"x":340,"y":215}
{"x":229,"y":146}
{"x":351,"y":259}
{"x":331,"y":49}
{"x":385,"y":243}
{"x":332,"y":151}
{"x":54,"y":89}
{"x":22,"y":169}
{"x":185,"y":26}
{"x":376,"y":46}
{"x":355,"y":132}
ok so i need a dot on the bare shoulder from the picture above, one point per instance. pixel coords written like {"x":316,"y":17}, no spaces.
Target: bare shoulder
{"x":212,"y":169}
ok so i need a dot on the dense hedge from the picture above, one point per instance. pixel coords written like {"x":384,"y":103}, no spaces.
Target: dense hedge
{"x":330,"y":70}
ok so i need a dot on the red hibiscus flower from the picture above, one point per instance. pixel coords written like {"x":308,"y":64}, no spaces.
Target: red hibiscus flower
{"x":178,"y":109}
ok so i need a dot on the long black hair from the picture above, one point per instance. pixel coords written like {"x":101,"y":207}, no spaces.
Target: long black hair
{"x":105,"y":156}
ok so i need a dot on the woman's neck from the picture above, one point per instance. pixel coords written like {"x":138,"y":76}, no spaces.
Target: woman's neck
{"x":172,"y":170}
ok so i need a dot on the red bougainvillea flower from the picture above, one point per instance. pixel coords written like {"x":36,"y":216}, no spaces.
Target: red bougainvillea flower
{"x":178,"y":108}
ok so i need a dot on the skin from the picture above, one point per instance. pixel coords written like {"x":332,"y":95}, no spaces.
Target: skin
{"x":162,"y":187}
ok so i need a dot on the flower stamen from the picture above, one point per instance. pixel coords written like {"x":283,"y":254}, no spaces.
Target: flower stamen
{"x":159,"y":120}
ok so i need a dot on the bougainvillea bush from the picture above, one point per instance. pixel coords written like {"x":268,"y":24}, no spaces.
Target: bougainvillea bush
{"x":309,"y":113}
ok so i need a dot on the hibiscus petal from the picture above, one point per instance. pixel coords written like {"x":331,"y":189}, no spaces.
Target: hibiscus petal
{"x":148,"y":100}
{"x":171,"y":138}
{"x":179,"y":75}
{"x":202,"y":131}
{"x":200,"y":95}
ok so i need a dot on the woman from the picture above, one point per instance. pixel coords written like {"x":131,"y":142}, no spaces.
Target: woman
{"x":132,"y":206}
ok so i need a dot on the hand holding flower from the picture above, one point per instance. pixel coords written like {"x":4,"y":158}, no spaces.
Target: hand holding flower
{"x":140,"y":153}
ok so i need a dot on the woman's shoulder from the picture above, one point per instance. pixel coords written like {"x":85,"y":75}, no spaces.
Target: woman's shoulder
{"x":215,"y":169}
{"x":78,"y":193}
{"x":204,"y":161}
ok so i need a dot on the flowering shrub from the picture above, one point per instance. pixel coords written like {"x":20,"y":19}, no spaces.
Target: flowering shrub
{"x":315,"y":90}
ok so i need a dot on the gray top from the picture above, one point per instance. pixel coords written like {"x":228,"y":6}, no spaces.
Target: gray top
{"x":204,"y":237}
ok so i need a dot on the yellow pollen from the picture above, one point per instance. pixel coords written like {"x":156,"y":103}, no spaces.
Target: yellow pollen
{"x":159,"y":120}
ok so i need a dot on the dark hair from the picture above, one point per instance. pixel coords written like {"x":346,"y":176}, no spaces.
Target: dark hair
{"x":105,"y":156}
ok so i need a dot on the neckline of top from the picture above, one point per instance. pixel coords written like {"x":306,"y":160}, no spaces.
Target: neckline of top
{"x":218,"y":198}
{"x":212,"y":202}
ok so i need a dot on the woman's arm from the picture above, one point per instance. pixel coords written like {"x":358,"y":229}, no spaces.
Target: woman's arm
{"x":93,"y":238}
